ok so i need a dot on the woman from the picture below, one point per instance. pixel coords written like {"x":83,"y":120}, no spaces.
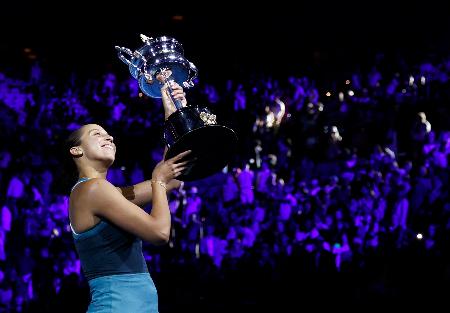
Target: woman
{"x":108,"y":223}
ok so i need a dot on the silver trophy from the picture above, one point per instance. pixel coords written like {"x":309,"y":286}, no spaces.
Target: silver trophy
{"x":191,"y":127}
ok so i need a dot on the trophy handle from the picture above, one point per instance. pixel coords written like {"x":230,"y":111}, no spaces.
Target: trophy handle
{"x":135,"y":54}
{"x":146,"y":39}
{"x":193,"y":74}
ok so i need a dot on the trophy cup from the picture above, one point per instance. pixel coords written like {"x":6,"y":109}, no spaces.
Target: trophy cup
{"x":191,"y":127}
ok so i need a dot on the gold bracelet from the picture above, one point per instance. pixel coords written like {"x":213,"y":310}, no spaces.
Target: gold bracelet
{"x":159,"y":182}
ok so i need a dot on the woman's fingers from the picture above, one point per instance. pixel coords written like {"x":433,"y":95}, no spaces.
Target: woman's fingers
{"x":176,"y":89}
{"x":175,"y":167}
{"x":180,"y":156}
{"x":178,"y":95}
{"x":174,"y":85}
{"x":178,"y":168}
{"x":179,"y":171}
{"x":180,"y":164}
{"x":191,"y":160}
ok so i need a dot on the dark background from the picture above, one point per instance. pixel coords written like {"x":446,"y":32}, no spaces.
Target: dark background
{"x":316,"y":38}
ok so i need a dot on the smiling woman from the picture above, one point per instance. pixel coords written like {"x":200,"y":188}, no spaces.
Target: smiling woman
{"x":97,"y":146}
{"x":108,"y":223}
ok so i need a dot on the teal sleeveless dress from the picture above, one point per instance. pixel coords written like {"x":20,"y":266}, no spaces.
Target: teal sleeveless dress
{"x":115,"y":268}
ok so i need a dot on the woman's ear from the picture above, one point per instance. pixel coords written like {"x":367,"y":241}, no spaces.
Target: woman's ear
{"x":76,"y":151}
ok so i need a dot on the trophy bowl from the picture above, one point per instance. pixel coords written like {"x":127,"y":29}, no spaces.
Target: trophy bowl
{"x":190,"y":127}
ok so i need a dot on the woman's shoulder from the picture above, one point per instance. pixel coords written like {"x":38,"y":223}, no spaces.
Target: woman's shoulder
{"x":96,"y":192}
{"x":92,"y":186}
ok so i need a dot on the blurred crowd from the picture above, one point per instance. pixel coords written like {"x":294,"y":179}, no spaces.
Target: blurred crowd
{"x":328,"y":178}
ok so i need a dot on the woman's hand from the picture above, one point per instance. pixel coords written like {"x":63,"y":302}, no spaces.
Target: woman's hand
{"x":177,"y":94}
{"x":167,"y":170}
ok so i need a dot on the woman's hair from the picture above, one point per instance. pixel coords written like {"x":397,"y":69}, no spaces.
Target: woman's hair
{"x":73,"y":140}
{"x":69,"y":171}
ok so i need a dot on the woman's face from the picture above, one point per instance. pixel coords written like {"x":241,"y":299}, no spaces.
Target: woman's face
{"x":97,"y":144}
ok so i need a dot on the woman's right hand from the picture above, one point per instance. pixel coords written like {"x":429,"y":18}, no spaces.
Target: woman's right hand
{"x":169,"y":169}
{"x":177,"y":94}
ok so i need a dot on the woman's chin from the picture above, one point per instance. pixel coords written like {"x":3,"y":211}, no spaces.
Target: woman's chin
{"x":109,"y":161}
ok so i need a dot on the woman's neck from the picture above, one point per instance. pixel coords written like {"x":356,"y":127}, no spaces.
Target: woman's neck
{"x":92,"y":173}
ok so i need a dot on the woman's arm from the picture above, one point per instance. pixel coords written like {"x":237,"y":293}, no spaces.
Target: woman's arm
{"x":103,"y":200}
{"x":141,"y":193}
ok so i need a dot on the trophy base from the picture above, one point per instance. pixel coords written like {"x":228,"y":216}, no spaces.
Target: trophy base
{"x":213,"y":147}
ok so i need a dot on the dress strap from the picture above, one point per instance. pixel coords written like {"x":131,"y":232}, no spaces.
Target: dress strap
{"x":81,"y":180}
